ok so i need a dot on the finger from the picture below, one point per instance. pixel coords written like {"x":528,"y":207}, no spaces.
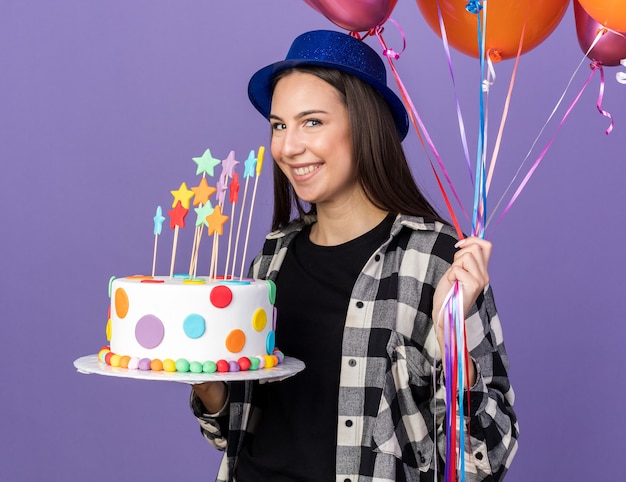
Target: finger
{"x":477,"y":251}
{"x":485,"y":246}
{"x":471,"y":259}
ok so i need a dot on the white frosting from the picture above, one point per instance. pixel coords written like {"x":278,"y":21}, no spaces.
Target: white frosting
{"x":173,"y":301}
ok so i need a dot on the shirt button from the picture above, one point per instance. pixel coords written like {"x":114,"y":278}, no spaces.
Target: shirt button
{"x":359,"y":304}
{"x":377,"y":257}
{"x":421,"y":456}
{"x":352,"y":362}
{"x":348,"y":423}
{"x":479,"y":455}
{"x":347,"y":480}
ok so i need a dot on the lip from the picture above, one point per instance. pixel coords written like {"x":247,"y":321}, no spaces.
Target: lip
{"x":304,"y":172}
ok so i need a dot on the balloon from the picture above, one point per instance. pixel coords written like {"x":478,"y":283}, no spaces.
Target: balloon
{"x":608,"y":13}
{"x":505,"y":20}
{"x":355,"y":15}
{"x":610,"y":48}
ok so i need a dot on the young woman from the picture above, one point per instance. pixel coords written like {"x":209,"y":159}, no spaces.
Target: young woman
{"x":362,"y":264}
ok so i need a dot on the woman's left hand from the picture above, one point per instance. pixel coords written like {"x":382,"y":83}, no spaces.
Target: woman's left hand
{"x":469,"y":268}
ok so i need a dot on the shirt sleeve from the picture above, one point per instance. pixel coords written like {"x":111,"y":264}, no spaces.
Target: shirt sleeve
{"x":491,"y":420}
{"x":214,"y":427}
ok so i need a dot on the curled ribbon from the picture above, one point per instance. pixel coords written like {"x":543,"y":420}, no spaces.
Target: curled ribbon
{"x":491,"y":76}
{"x":598,"y":66}
{"x":621,"y":76}
{"x":474,"y":6}
{"x":387,"y":52}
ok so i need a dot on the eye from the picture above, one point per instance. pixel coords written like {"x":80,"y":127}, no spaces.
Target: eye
{"x":313,"y":122}
{"x":278,"y":126}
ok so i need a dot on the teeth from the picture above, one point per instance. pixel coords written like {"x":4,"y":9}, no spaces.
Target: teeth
{"x":301,"y":171}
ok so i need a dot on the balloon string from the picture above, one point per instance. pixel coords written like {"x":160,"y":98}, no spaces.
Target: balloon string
{"x":451,"y":386}
{"x":461,"y":355}
{"x":419,"y":127}
{"x":545,"y":125}
{"x":543,"y":153}
{"x":446,"y":47}
{"x":456,"y":362}
{"x":598,"y":66}
{"x":507,"y":103}
{"x":480,"y":201}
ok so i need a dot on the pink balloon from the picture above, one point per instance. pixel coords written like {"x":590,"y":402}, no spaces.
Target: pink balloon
{"x":355,"y":15}
{"x":610,"y":48}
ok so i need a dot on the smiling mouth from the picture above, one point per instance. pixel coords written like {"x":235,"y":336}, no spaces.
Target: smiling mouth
{"x":301,"y":171}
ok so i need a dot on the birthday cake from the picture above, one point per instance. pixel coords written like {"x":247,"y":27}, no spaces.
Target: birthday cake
{"x":198,"y":325}
{"x":190,"y":323}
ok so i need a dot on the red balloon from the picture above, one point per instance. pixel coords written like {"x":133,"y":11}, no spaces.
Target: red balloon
{"x":355,"y":15}
{"x":608,"y":13}
{"x":610,"y":48}
{"x":505,"y":20}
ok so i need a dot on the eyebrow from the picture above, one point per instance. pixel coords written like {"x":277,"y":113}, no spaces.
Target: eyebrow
{"x":301,"y":114}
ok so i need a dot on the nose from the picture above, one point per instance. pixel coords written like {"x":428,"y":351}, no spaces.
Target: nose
{"x":288,"y":144}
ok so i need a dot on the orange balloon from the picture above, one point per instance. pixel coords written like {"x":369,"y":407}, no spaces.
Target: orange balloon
{"x":505,"y":21}
{"x":610,"y":13}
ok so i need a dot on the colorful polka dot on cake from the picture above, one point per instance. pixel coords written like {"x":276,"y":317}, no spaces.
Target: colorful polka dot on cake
{"x":149,"y":331}
{"x":271,"y":291}
{"x":169,"y":365}
{"x":107,"y":358}
{"x":221,"y":296}
{"x":121,"y":302}
{"x":254,"y":363}
{"x":259,"y":319}
{"x":102,"y":353}
{"x":114,"y":361}
{"x":182,"y":365}
{"x":124,"y":361}
{"x":270,"y":342}
{"x":144,"y":364}
{"x":235,"y":341}
{"x":244,"y":363}
{"x":194,"y":326}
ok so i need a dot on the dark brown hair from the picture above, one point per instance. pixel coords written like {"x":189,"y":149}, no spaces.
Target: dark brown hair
{"x":380,"y":164}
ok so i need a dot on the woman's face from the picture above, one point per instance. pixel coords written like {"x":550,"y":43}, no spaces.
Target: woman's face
{"x":311,"y":141}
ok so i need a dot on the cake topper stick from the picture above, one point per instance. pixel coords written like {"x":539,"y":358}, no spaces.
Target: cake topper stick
{"x":202,"y":214}
{"x":182,"y":197}
{"x":174,"y":246}
{"x":259,"y":166}
{"x":233,"y":197}
{"x":158,"y":227}
{"x":248,"y":171}
{"x":214,"y":256}
{"x":195,"y":249}
{"x":206,"y":164}
{"x":202,"y":194}
{"x":177,"y":220}
{"x":228,"y":171}
{"x":222,"y":186}
{"x":215,"y":228}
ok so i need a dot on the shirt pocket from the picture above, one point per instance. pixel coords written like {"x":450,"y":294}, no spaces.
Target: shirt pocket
{"x":404,"y":423}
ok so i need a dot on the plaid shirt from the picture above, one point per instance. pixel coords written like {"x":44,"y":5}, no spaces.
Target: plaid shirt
{"x":390,"y":417}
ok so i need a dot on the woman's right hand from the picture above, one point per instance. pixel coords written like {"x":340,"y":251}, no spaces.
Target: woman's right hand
{"x":212,"y":394}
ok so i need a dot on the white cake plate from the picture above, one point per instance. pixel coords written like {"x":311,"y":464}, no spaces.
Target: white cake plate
{"x":289,"y":367}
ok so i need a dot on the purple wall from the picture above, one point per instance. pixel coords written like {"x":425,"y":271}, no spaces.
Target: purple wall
{"x":102,"y":106}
